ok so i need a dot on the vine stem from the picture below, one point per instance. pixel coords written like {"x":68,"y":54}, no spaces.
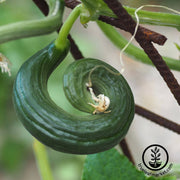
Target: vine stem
{"x":42,"y":160}
{"x":76,"y":53}
{"x":61,"y":41}
{"x":31,"y":28}
{"x":146,"y":17}
{"x":138,"y":54}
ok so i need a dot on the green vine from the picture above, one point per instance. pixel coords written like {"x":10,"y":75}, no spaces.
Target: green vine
{"x":98,"y":7}
{"x":117,"y":39}
{"x":34,"y":27}
{"x":156,"y":18}
{"x":42,"y":160}
{"x":61,"y":41}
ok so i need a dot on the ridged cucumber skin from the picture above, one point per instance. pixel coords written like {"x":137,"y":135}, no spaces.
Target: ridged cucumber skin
{"x":60,"y":130}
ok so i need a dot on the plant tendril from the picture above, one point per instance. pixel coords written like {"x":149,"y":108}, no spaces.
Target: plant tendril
{"x":136,"y":28}
{"x":89,"y":84}
{"x":30,"y":28}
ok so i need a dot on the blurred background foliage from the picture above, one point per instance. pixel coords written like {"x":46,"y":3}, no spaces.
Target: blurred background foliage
{"x":16,"y":155}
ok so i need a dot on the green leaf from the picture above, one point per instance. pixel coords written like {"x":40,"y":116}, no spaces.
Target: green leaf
{"x":110,"y":165}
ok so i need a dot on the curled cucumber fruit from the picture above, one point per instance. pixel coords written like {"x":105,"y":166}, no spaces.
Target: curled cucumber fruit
{"x":61,"y":130}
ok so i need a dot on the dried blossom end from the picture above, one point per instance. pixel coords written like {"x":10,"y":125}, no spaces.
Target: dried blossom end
{"x":4,"y":64}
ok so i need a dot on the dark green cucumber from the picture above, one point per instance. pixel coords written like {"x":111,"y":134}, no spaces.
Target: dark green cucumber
{"x":61,"y":130}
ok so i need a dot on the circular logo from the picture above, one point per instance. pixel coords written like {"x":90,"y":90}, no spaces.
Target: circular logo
{"x":155,"y":157}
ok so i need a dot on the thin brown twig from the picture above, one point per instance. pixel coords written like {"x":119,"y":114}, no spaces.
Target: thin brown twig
{"x":125,"y":148}
{"x":71,"y":3}
{"x":76,"y":53}
{"x":42,"y":5}
{"x":157,"y":119}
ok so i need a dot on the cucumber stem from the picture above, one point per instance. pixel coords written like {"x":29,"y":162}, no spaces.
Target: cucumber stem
{"x":61,"y":41}
{"x":138,"y":54}
{"x":42,"y":160}
{"x":30,"y":28}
